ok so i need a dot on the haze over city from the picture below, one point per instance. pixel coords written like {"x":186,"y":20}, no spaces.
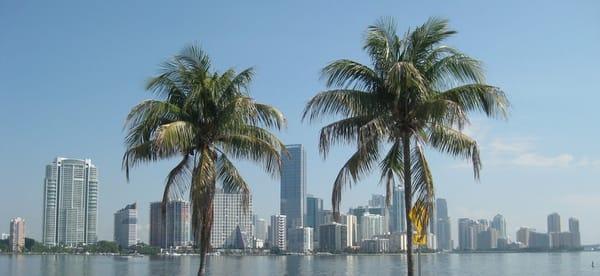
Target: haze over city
{"x":66,"y":89}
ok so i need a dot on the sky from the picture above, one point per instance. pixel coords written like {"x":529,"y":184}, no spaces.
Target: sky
{"x":70,"y":72}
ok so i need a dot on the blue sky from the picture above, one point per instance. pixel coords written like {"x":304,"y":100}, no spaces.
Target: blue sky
{"x":70,"y":72}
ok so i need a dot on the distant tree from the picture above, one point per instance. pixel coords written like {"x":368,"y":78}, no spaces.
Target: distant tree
{"x":4,"y":246}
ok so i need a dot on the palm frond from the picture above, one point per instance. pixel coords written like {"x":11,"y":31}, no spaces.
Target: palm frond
{"x":479,"y":97}
{"x":457,"y":144}
{"x":231,"y":180}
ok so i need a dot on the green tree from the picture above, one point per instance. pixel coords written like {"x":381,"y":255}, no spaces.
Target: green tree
{"x":416,"y":93}
{"x":206,"y":118}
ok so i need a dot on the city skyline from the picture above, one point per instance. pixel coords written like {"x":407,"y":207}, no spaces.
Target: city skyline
{"x":529,"y":170}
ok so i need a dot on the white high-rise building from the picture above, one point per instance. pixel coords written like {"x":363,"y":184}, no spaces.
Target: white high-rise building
{"x":17,"y":234}
{"x":278,"y":237}
{"x":125,"y":232}
{"x":70,"y":202}
{"x":229,"y":215}
{"x":351,"y":229}
{"x":554,"y":223}
{"x":371,"y":225}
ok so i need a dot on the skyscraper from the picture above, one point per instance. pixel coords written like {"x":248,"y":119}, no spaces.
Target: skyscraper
{"x":523,"y":236}
{"x":444,"y":237}
{"x":125,"y":227}
{"x":301,"y":240}
{"x":554,"y":223}
{"x":314,"y":206}
{"x":351,"y":229}
{"x":333,"y":237}
{"x":278,"y":232}
{"x":293,"y":186}
{"x":398,"y":212}
{"x":467,"y":234}
{"x":574,"y":229}
{"x":70,"y":202}
{"x":229,"y":214}
{"x":174,"y":230}
{"x":499,"y":223}
{"x":371,"y":225}
{"x":377,"y":200}
{"x":260,"y":229}
{"x":16,"y":241}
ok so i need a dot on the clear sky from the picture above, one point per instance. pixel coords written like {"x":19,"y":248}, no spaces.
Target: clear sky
{"x":70,"y":72}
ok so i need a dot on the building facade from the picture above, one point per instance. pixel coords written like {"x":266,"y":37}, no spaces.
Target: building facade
{"x":229,"y":214}
{"x":293,"y":186}
{"x":314,"y":207}
{"x":260,"y":229}
{"x":398,"y":211}
{"x":574,"y":230}
{"x":301,"y":240}
{"x":351,"y":229}
{"x":499,"y":223}
{"x":371,"y":225}
{"x":278,"y":233}
{"x":70,"y":202}
{"x":443,"y":233}
{"x":16,"y":242}
{"x":126,"y":226}
{"x":174,"y":228}
{"x":554,"y":223}
{"x":332,"y":237}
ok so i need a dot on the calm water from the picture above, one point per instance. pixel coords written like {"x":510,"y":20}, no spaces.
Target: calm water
{"x":578,"y":263}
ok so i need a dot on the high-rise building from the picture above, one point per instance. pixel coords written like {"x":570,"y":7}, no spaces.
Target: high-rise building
{"x":125,"y":226}
{"x":293,"y":186}
{"x":16,"y":241}
{"x":539,"y":240}
{"x":488,"y":239}
{"x":260,"y":228}
{"x":377,"y":201}
{"x":359,"y":211}
{"x":314,"y":206}
{"x":278,"y":233}
{"x":301,"y":240}
{"x":398,"y":211}
{"x":467,"y":234}
{"x":172,"y":230}
{"x":70,"y":202}
{"x":554,"y":223}
{"x":574,"y":229}
{"x":371,"y":225}
{"x":4,"y":236}
{"x":499,"y":223}
{"x":523,"y":236}
{"x":229,"y":215}
{"x":443,"y":233}
{"x":333,"y":237}
{"x":351,"y":228}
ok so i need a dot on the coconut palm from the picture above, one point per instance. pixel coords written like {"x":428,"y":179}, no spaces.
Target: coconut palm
{"x":206,"y":119}
{"x":416,"y":93}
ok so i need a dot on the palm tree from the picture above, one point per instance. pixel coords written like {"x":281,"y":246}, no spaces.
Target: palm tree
{"x":416,"y":93}
{"x":205,"y":118}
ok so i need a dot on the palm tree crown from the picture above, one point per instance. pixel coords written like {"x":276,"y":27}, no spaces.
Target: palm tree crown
{"x":417,"y":93}
{"x":205,"y":118}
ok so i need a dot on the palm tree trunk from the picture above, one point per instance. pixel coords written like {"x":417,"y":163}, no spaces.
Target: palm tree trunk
{"x":408,"y":203}
{"x":205,"y":231}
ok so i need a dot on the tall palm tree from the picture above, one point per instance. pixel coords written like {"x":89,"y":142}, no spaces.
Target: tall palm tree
{"x":205,"y":118}
{"x":416,"y":93}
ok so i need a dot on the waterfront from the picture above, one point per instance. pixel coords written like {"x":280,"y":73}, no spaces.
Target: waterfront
{"x":573,"y":263}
